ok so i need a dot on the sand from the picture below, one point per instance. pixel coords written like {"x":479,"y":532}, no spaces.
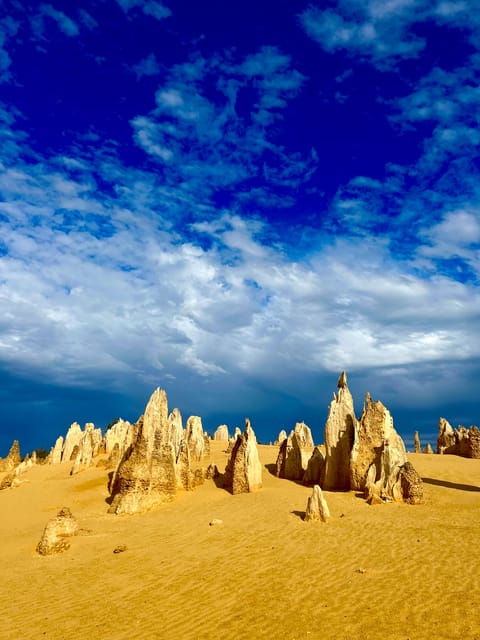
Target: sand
{"x":391,"y":571}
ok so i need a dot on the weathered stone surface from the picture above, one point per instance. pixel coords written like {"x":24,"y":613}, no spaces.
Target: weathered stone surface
{"x":212,"y":472}
{"x":411,"y":484}
{"x":177,"y":433}
{"x":147,"y":474}
{"x":339,"y":437}
{"x":304,"y":435}
{"x":87,"y":448}
{"x":221,"y":433}
{"x":416,"y":443}
{"x":315,"y":472}
{"x":56,"y":452}
{"x":195,"y":438}
{"x":56,"y":533}
{"x":292,"y":460}
{"x":427,"y":448}
{"x":13,"y":458}
{"x":281,"y":437}
{"x":461,"y":441}
{"x":72,"y":440}
{"x":317,"y":508}
{"x":243,"y":473}
{"x":119,"y":437}
{"x":378,"y":444}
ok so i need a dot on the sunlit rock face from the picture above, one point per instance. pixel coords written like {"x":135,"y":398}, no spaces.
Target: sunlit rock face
{"x":221,"y":433}
{"x":243,"y":473}
{"x":460,"y":442}
{"x":147,"y":475}
{"x":13,"y":458}
{"x":339,"y":437}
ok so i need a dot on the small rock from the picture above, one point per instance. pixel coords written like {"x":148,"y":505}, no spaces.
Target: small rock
{"x":120,"y":548}
{"x":215,"y":521}
{"x":361,"y":570}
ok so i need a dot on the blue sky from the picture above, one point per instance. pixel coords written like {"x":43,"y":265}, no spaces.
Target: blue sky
{"x":236,"y":201}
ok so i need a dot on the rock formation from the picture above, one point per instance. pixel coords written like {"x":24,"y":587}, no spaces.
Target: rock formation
{"x":339,"y":437}
{"x":195,"y":438}
{"x":56,"y":532}
{"x":56,"y":452}
{"x":427,"y":448}
{"x":177,"y":433}
{"x":292,"y":460}
{"x":147,"y":475}
{"x":281,"y":437}
{"x":461,"y":441}
{"x":119,"y":437}
{"x":13,"y":458}
{"x":243,"y":472}
{"x":379,"y":464}
{"x":315,"y":472}
{"x":72,"y":440}
{"x":87,"y":448}
{"x":317,"y":508}
{"x":416,"y":443}
{"x":221,"y":433}
{"x":304,"y":435}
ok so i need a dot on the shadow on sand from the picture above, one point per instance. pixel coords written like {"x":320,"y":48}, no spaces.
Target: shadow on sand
{"x":299,"y":514}
{"x":450,"y":485}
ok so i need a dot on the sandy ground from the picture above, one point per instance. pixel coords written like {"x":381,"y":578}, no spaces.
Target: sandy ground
{"x":390,"y":571}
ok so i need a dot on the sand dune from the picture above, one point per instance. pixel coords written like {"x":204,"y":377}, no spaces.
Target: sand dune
{"x":392,"y":571}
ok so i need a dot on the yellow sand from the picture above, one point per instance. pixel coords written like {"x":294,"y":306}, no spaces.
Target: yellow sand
{"x":390,"y":571}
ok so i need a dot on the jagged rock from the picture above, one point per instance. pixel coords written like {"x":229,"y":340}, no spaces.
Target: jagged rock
{"x":416,"y":443}
{"x":461,"y":441}
{"x":379,"y":459}
{"x":7,"y":481}
{"x":177,"y":433}
{"x":212,"y":472}
{"x":87,"y":448}
{"x":119,"y":437}
{"x":315,"y":472}
{"x":195,"y":438}
{"x":13,"y":458}
{"x":243,"y":472}
{"x":304,"y":434}
{"x":427,"y":448}
{"x":56,"y":532}
{"x":292,"y":459}
{"x":339,"y":437}
{"x":317,"y":508}
{"x":56,"y":452}
{"x":147,"y":474}
{"x":411,"y":484}
{"x":72,"y":440}
{"x":221,"y":433}
{"x":281,"y":437}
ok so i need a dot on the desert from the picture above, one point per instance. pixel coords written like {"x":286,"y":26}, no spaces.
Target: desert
{"x":210,"y":561}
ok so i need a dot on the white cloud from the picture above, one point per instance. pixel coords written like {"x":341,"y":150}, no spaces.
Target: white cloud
{"x":147,"y":66}
{"x":65,"y":24}
{"x":151,"y":8}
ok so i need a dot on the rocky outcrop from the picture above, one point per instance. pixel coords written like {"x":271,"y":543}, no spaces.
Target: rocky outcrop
{"x":148,"y":475}
{"x":315,"y":472}
{"x":317,"y":508}
{"x":376,"y":443}
{"x":304,"y":434}
{"x":87,"y":448}
{"x":195,"y":438}
{"x":118,"y":437}
{"x":427,"y":448}
{"x":292,"y":459}
{"x":13,"y":458}
{"x":416,"y":443}
{"x":72,"y":440}
{"x":56,"y":452}
{"x":243,"y":472}
{"x":411,"y":484}
{"x":281,"y":437}
{"x":461,"y":441}
{"x":177,"y":433}
{"x":221,"y":433}
{"x":56,"y":533}
{"x":339,"y":438}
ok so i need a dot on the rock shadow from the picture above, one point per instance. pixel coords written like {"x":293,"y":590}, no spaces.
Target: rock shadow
{"x":450,"y":485}
{"x":299,"y":514}
{"x":271,"y":468}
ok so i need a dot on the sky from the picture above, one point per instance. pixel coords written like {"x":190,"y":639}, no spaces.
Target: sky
{"x":235,"y":201}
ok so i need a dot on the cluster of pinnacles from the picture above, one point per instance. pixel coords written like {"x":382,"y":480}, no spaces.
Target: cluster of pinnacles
{"x":365,"y":455}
